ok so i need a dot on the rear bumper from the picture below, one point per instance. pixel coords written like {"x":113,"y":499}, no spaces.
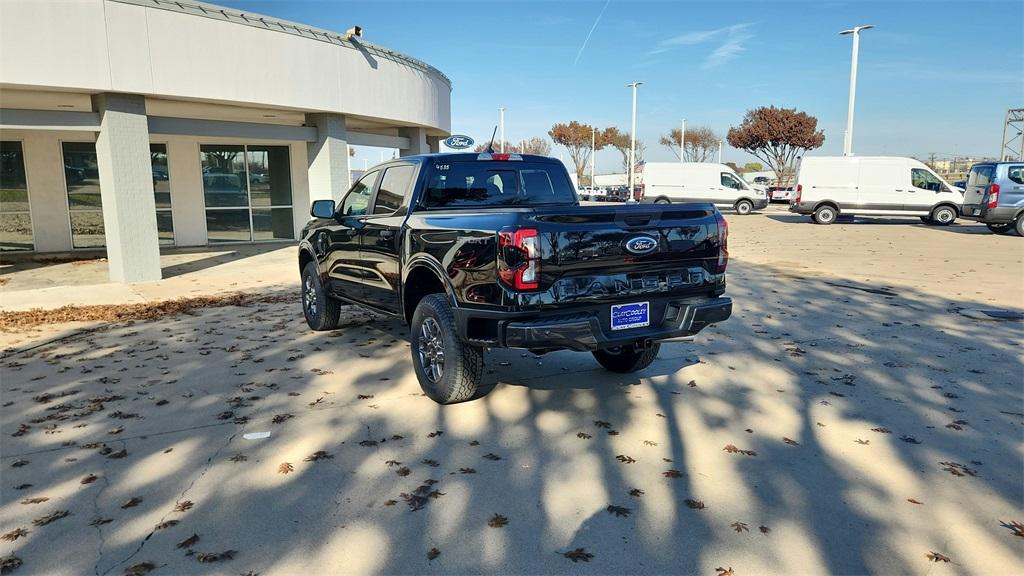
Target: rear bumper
{"x":982,"y":213}
{"x":760,"y":204}
{"x":588,"y":329}
{"x":801,"y":207}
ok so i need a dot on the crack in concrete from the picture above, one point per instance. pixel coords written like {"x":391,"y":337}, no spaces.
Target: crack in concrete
{"x":206,"y":468}
{"x":96,"y":516}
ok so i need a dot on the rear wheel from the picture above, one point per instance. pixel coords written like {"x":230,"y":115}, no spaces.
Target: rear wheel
{"x":943,"y":215}
{"x":624,"y":359}
{"x":1019,"y":225}
{"x":662,"y":201}
{"x":926,"y":219}
{"x":320,"y":310}
{"x":825,"y":215}
{"x":744,"y":207}
{"x":1000,"y":228}
{"x":449,"y":370}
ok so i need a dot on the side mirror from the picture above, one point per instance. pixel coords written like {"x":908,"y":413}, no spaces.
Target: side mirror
{"x":322,"y":209}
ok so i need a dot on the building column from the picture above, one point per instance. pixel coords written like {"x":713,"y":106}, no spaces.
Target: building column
{"x":417,"y":141}
{"x":327,"y":158}
{"x":126,"y":185}
{"x":434,"y":144}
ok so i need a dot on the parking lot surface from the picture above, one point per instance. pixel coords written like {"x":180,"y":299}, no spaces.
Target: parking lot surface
{"x":849,"y":418}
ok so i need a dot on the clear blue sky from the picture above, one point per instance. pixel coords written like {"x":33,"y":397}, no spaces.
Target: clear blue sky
{"x":935,"y":77}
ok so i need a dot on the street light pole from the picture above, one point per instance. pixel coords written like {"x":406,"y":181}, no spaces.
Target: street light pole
{"x":848,"y":135}
{"x":501,"y":111}
{"x":593,"y":154}
{"x":719,"y":151}
{"x":682,"y":141}
{"x":632,"y":143}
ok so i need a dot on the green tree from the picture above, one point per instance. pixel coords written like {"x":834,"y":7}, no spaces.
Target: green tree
{"x":753,"y":167}
{"x":777,"y":136}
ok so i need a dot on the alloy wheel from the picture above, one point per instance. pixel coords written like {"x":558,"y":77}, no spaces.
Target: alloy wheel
{"x":431,"y":350}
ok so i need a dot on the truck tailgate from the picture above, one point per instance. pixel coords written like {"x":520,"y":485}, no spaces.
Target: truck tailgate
{"x":595,"y":254}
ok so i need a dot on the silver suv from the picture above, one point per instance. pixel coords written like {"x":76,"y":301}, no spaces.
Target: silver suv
{"x":995,"y":196}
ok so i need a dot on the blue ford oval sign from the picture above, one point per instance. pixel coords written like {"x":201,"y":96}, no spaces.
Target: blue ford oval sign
{"x":458,"y":141}
{"x":641,"y":245}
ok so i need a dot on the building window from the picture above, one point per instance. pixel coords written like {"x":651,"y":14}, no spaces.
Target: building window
{"x":15,"y":218}
{"x":248,"y":193}
{"x":162,"y":193}
{"x":82,"y":180}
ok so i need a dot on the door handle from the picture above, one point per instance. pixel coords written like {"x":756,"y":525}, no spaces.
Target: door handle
{"x":387,"y":234}
{"x":899,"y":190}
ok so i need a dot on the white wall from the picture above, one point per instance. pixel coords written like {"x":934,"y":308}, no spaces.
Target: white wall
{"x":104,"y":45}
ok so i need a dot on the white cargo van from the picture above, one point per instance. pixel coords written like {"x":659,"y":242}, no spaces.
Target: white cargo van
{"x":827,"y":186}
{"x":666,"y":182}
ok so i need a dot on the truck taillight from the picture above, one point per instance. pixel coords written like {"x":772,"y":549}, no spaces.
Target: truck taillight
{"x":993,"y":195}
{"x":799,"y":193}
{"x":519,"y":259}
{"x":723,"y":243}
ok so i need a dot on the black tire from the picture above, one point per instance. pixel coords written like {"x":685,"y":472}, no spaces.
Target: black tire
{"x":662,"y":201}
{"x":461,"y":365}
{"x":1000,"y":228}
{"x":744,"y":207}
{"x":320,"y":310}
{"x":943,"y":215}
{"x":927,"y":220}
{"x":625,"y":359}
{"x":1019,"y":225}
{"x":825,"y":214}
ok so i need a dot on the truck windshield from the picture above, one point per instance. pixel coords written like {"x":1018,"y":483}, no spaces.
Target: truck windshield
{"x":483,"y":183}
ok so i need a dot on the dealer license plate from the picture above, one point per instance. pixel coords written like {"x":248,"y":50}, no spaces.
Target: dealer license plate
{"x":634,"y":315}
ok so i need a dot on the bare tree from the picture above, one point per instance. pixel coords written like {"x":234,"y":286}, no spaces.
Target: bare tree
{"x":701,"y":143}
{"x":576,"y":138}
{"x":777,"y":136}
{"x":535,"y":145}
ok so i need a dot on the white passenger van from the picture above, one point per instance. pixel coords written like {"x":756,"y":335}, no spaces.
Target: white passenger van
{"x":666,"y":182}
{"x":827,"y":186}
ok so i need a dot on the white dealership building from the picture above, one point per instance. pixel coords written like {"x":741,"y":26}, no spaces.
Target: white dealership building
{"x":134,"y":124}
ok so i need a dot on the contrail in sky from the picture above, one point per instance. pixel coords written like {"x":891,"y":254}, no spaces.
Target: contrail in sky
{"x":589,"y":34}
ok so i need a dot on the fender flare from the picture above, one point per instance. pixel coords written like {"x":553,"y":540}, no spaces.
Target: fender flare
{"x":425,"y":261}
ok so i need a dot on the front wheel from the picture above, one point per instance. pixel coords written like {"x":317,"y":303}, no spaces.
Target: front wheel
{"x":625,"y":359}
{"x":662,"y":201}
{"x":825,"y":215}
{"x":449,"y":370}
{"x":320,"y":310}
{"x":1019,"y":225}
{"x":943,"y":215}
{"x":744,"y":207}
{"x":926,"y":219}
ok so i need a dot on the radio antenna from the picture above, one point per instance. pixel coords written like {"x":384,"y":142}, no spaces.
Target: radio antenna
{"x":490,"y":146}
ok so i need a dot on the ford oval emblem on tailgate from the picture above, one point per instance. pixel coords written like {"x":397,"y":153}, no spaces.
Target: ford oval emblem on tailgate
{"x":641,"y":245}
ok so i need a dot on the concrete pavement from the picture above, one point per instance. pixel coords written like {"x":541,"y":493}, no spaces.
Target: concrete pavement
{"x":882,"y":430}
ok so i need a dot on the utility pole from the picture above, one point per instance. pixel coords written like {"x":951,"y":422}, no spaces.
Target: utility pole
{"x":501,"y":122}
{"x":682,"y":141}
{"x":1013,"y":135}
{"x":719,"y":151}
{"x":848,"y":136}
{"x":632,"y":143}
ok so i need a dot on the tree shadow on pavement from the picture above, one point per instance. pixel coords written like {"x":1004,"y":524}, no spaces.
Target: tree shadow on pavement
{"x":862,"y":431}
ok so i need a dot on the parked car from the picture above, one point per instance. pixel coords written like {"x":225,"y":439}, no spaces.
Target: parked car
{"x":668,"y":182}
{"x":777,"y":193}
{"x":598,"y":194}
{"x":995,"y":196}
{"x":830,"y":186}
{"x":478,"y":251}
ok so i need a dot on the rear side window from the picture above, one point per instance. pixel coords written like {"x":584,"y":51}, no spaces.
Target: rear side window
{"x":393,"y":187}
{"x":1016,"y":174}
{"x":981,"y":175}
{"x":489,"y":183}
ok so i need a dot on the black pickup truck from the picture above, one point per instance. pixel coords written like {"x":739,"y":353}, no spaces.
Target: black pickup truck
{"x":478,"y":251}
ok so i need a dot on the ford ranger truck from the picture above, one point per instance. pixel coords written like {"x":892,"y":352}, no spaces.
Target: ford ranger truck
{"x":478,"y":251}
